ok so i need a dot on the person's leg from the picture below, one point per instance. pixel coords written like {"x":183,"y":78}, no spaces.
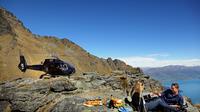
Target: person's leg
{"x":152,"y":104}
{"x":129,"y":103}
{"x":167,"y":107}
{"x":111,"y":104}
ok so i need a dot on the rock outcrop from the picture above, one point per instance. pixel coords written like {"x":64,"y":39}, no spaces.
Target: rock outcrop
{"x":60,"y":94}
{"x":198,"y":106}
{"x":63,"y":94}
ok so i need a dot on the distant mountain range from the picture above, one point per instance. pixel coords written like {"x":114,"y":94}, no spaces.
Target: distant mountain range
{"x":173,"y":72}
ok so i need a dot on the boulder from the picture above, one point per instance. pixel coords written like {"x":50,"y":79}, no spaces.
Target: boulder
{"x":69,"y":105}
{"x":5,"y":106}
{"x":62,"y":84}
{"x":191,"y":107}
{"x":29,"y":95}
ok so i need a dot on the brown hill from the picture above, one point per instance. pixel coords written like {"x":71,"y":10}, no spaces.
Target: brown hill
{"x":15,"y":37}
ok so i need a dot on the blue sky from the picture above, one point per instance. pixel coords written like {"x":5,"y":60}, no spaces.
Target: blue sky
{"x":140,"y":32}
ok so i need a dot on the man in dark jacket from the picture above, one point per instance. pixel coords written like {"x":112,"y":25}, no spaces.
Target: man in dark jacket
{"x":170,"y":100}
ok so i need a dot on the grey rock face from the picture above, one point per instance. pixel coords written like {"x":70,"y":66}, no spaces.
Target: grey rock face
{"x":29,"y":95}
{"x":67,"y":95}
{"x":69,"y":105}
{"x":62,"y":85}
{"x":5,"y":106}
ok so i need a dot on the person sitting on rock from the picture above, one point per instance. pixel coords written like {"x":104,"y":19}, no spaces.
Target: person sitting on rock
{"x":169,"y":101}
{"x":134,"y":98}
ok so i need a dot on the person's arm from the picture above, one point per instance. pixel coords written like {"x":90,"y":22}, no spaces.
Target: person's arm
{"x":165,"y":92}
{"x":132,"y":92}
{"x":175,"y":106}
{"x":180,"y":101}
{"x":159,"y":94}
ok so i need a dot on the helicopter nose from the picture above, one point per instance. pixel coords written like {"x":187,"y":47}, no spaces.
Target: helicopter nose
{"x":73,"y":70}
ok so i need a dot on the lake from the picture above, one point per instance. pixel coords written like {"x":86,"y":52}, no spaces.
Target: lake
{"x":190,"y":88}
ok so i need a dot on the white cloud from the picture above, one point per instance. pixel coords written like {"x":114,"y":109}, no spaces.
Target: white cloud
{"x":155,"y":62}
{"x":158,"y":55}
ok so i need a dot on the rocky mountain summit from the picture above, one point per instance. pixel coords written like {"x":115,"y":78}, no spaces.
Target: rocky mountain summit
{"x":63,"y":94}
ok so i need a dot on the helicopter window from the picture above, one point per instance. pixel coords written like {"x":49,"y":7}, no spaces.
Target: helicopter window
{"x":63,"y":66}
{"x":66,"y":66}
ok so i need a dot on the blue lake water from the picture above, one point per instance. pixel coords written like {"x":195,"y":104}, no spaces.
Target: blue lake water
{"x":190,"y":88}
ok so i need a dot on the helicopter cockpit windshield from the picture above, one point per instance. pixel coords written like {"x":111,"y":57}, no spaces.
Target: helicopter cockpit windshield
{"x":63,"y":67}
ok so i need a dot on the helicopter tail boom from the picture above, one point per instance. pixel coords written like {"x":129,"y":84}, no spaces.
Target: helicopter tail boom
{"x":22,"y":65}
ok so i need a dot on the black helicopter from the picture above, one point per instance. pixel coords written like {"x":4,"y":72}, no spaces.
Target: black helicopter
{"x":53,"y":67}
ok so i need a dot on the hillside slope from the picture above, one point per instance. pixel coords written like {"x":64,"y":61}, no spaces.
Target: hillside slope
{"x":15,"y":37}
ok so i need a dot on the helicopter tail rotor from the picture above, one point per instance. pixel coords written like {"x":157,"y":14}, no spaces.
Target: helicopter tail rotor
{"x":22,"y":65}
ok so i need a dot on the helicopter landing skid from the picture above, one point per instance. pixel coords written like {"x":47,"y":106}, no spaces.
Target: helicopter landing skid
{"x":45,"y":76}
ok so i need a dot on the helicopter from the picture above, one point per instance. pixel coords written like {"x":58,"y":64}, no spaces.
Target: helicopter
{"x":53,"y":67}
